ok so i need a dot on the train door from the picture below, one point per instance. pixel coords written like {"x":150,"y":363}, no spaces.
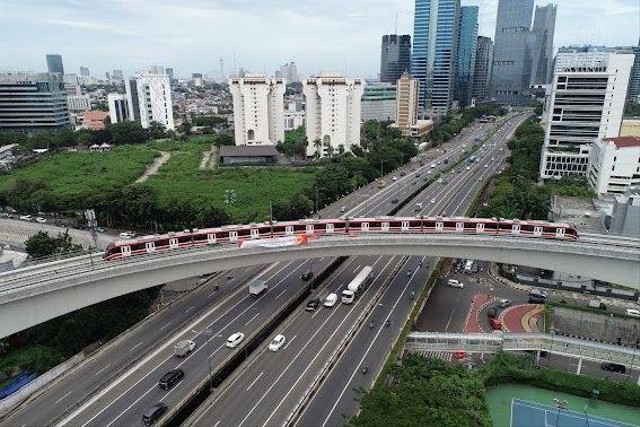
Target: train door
{"x":288,"y":230}
{"x":515,"y":229}
{"x":439,"y":226}
{"x":364,"y":226}
{"x":404,"y":226}
{"x":537,"y":231}
{"x":255,"y":233}
{"x":211,"y":239}
{"x":384,"y":226}
{"x":125,"y":251}
{"x":329,"y":229}
{"x":309,"y":229}
{"x":560,"y":233}
{"x":233,"y":236}
{"x":479,"y":228}
{"x":150,"y":247}
{"x":173,"y":243}
{"x":459,"y":227}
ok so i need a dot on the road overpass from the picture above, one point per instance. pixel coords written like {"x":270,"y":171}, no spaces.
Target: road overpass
{"x":35,"y":294}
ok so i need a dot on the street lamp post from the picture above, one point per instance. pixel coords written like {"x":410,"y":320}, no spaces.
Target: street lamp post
{"x":209,"y":334}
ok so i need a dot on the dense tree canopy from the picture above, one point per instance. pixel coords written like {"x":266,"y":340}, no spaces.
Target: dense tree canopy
{"x":41,"y":244}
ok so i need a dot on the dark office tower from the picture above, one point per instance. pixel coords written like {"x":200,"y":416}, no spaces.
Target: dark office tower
{"x":54,"y":64}
{"x":395,"y":57}
{"x":434,"y":54}
{"x":544,"y":24}
{"x":482,"y":73}
{"x":634,"y":79}
{"x":169,"y":72}
{"x":465,"y":64}
{"x":511,"y":68}
{"x":84,"y":72}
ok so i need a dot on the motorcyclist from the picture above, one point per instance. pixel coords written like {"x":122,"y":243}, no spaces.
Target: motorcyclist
{"x":412,"y":295}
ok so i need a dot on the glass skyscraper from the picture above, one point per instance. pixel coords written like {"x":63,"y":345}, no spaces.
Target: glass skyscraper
{"x":465,"y":66}
{"x":433,"y":60}
{"x":544,"y":24}
{"x":54,"y":64}
{"x":395,"y":57}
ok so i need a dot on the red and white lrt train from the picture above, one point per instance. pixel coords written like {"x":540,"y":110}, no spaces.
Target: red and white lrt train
{"x":236,"y":234}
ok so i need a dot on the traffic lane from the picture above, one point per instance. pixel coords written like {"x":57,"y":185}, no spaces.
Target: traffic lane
{"x":17,"y":231}
{"x":264,"y":380}
{"x":139,"y":381}
{"x":87,"y":378}
{"x":589,"y":368}
{"x":337,"y":396}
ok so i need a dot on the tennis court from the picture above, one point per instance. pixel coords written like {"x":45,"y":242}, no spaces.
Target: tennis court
{"x":531,"y":414}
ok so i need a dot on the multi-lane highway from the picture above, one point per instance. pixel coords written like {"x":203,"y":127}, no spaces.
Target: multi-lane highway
{"x":274,"y":386}
{"x":116,"y":387}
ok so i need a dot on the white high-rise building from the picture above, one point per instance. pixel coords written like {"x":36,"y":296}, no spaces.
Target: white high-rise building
{"x":333,"y":113}
{"x":149,"y":98}
{"x":118,"y":108}
{"x":587,"y":101}
{"x":78,"y":102}
{"x":614,"y":164}
{"x":258,"y":109}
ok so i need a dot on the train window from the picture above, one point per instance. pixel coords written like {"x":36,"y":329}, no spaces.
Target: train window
{"x":309,"y":229}
{"x":439,"y":226}
{"x":405,"y":225}
{"x":384,"y":226}
{"x":460,"y":227}
{"x":329,"y":228}
{"x":125,"y":250}
{"x":537,"y":231}
{"x":364,"y":226}
{"x":211,"y":239}
{"x":480,"y":227}
{"x":515,"y":229}
{"x":560,"y":232}
{"x":255,"y":233}
{"x":288,"y":230}
{"x":173,"y":243}
{"x":150,"y":247}
{"x":233,"y":236}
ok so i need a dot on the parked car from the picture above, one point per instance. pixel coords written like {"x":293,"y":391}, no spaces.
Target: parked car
{"x":235,"y":339}
{"x":41,"y":220}
{"x":313,"y":304}
{"x":152,"y":414}
{"x":26,"y":217}
{"x":632,"y":312}
{"x":455,"y":284}
{"x":613,"y":367}
{"x":277,"y":342}
{"x":170,"y":379}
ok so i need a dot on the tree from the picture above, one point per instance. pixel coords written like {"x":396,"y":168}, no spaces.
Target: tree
{"x":42,"y":245}
{"x":318,"y":145}
{"x":126,"y":132}
{"x":156,"y":130}
{"x":224,"y":139}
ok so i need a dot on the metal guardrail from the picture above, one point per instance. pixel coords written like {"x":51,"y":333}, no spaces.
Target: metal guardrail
{"x":556,"y":344}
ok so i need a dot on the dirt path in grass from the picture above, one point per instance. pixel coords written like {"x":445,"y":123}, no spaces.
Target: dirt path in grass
{"x":153,"y":169}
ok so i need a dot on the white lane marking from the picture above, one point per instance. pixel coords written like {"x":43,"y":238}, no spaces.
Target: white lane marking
{"x":249,"y":321}
{"x":165,"y":326}
{"x":136,"y":346}
{"x":212,"y":294}
{"x":289,"y":342}
{"x":254,"y":381}
{"x":247,"y":269}
{"x":281,"y":293}
{"x":357,"y":268}
{"x":97,"y":373}
{"x":216,"y":424}
{"x":193,"y":307}
{"x":59,"y":400}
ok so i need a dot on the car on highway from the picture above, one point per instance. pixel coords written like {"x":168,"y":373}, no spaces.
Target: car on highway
{"x":41,"y":220}
{"x":394,"y":201}
{"x":342,"y":209}
{"x":307,"y":275}
{"x":170,"y":379}
{"x":26,"y":217}
{"x":492,"y":313}
{"x":433,"y":200}
{"x":395,"y":178}
{"x":632,"y":312}
{"x":235,"y":339}
{"x":613,"y":367}
{"x":277,"y":342}
{"x":439,"y":180}
{"x":330,"y":300}
{"x":455,"y":284}
{"x":313,"y":304}
{"x":154,"y":413}
{"x":126,"y":235}
{"x":495,"y":324}
{"x":504,"y":302}
{"x":468,"y":168}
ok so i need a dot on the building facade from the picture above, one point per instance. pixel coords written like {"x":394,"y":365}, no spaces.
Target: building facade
{"x":466,"y":61}
{"x":78,"y":102}
{"x":434,"y":54}
{"x":84,"y":72}
{"x":149,"y":99}
{"x":118,"y":108}
{"x":586,"y":103}
{"x":379,"y":102}
{"x":544,"y":24}
{"x":333,"y":113}
{"x":54,"y":64}
{"x":395,"y":57}
{"x":258,"y":109}
{"x":482,"y":71}
{"x":634,"y":80}
{"x":614,"y":164}
{"x":169,"y":73}
{"x":288,"y":72}
{"x":407,"y":93}
{"x":30,"y":103}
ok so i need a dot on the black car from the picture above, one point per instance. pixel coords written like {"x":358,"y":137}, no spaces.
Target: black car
{"x":537,"y":298}
{"x":152,"y":414}
{"x":313,"y":304}
{"x":171,"y":378}
{"x":401,"y":173}
{"x":613,"y":367}
{"x":394,"y":201}
{"x":307,"y":275}
{"x":492,"y":313}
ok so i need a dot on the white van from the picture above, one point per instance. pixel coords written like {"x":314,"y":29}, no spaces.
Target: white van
{"x":330,"y":300}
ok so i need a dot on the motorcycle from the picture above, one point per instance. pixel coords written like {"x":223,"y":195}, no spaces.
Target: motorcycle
{"x":372,"y":324}
{"x":387,"y":323}
{"x":411,"y":295}
{"x":365,"y":368}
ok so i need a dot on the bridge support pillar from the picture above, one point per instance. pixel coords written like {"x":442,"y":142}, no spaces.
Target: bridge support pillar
{"x":579,"y":366}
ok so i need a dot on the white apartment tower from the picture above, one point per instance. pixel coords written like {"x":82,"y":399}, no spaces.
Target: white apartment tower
{"x":408,"y":90}
{"x":258,"y":109}
{"x":587,"y":101}
{"x":333,"y":113}
{"x":149,"y":99}
{"x":118,"y":108}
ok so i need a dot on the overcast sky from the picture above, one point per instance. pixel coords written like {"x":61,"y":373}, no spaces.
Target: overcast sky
{"x":192,"y":35}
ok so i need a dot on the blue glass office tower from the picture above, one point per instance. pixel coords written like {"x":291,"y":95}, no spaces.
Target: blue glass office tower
{"x":433,"y":60}
{"x":467,"y":42}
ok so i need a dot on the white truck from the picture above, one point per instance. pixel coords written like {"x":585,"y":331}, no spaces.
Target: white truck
{"x":357,"y":285}
{"x":257,"y":287}
{"x":183,"y":348}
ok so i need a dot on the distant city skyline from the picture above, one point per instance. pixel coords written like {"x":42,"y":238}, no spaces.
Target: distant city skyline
{"x":192,"y":35}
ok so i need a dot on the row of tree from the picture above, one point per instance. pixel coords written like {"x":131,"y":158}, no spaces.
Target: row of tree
{"x":451,"y":125}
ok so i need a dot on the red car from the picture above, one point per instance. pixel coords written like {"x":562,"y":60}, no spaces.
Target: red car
{"x":495,"y":324}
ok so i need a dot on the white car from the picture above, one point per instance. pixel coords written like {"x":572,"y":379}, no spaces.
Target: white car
{"x":504,"y":302}
{"x":330,"y":300}
{"x":455,"y":284}
{"x":126,"y":235}
{"x":41,"y":220}
{"x":632,"y":312}
{"x":235,"y":339}
{"x":433,"y":200}
{"x":26,"y":217}
{"x":439,"y":180}
{"x":395,"y":178}
{"x":277,"y":342}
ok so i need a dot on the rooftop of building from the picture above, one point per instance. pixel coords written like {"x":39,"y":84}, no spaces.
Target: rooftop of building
{"x":579,"y":212}
{"x":248,"y":151}
{"x":624,"y":141}
{"x":95,"y":115}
